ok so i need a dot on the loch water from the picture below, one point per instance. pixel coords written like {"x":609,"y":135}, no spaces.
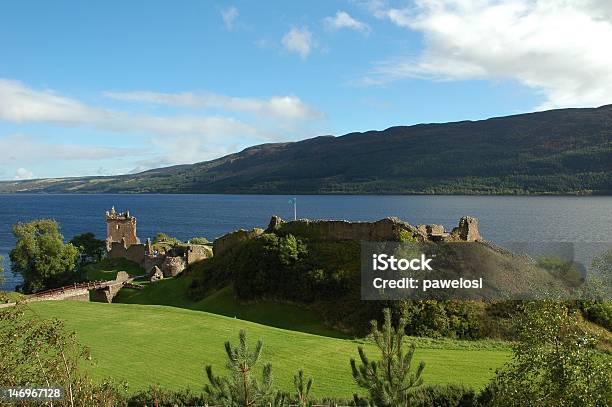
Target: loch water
{"x":580,"y":220}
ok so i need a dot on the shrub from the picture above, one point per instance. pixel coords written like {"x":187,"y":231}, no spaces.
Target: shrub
{"x":599,"y":313}
{"x":555,"y":363}
{"x":444,"y":396}
{"x":155,"y":396}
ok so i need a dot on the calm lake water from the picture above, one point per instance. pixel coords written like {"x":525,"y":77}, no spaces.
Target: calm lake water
{"x":581,"y":220}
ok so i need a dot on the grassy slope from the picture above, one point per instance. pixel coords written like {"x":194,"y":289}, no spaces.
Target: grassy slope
{"x":174,"y":292}
{"x":107,"y":269}
{"x":170,"y":346}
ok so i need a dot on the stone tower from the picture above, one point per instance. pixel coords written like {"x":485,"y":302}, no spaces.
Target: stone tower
{"x":120,"y":227}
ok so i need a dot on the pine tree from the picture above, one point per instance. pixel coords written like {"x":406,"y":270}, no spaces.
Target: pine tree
{"x":302,"y":388}
{"x":240,"y":388}
{"x":390,"y":380}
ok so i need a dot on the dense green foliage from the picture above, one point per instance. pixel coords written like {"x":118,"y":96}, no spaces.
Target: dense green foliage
{"x":565,"y":151}
{"x":325,"y":276}
{"x":42,"y":353}
{"x":555,"y":362}
{"x":90,"y":248}
{"x":168,"y":346}
{"x":41,"y":256}
{"x":391,"y":380}
{"x":199,"y":240}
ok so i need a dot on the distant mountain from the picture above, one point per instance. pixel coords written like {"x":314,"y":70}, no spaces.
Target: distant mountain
{"x":565,"y":151}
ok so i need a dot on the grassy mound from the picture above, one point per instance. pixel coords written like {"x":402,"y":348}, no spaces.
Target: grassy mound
{"x":107,"y":269}
{"x":170,"y":346}
{"x":173,"y":292}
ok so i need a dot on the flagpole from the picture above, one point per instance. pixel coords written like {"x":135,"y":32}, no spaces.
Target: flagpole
{"x":294,"y":208}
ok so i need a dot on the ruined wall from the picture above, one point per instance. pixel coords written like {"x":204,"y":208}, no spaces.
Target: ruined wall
{"x":173,"y":266}
{"x":467,"y":230}
{"x":105,"y":294}
{"x":230,"y":240}
{"x":150,"y":261}
{"x":383,"y":230}
{"x":388,"y":229}
{"x":135,"y":253}
{"x":198,"y":252}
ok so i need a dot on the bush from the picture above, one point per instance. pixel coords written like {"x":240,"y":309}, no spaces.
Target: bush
{"x":199,"y":240}
{"x":444,"y":396}
{"x":155,"y":396}
{"x":599,"y":313}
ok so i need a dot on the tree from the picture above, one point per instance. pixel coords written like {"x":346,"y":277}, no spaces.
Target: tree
{"x":390,"y":380}
{"x":41,"y":353}
{"x":555,"y":362}
{"x":302,"y":388}
{"x":241,"y":389}
{"x":41,"y":256}
{"x":90,"y":248}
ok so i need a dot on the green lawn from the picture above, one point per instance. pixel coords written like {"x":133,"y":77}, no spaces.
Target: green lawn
{"x":107,"y":269}
{"x":173,"y":292}
{"x":169,"y":346}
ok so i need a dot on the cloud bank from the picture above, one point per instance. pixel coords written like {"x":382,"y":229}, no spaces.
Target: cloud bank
{"x":561,"y":49}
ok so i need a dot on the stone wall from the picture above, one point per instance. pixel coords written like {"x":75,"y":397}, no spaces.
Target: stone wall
{"x":135,"y":252}
{"x":387,"y":229}
{"x":150,"y":261}
{"x":230,"y":240}
{"x":173,"y":266}
{"x":467,"y":230}
{"x":105,"y":294}
{"x":198,"y":252}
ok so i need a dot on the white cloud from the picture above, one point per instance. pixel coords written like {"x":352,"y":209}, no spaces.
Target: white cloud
{"x":21,"y":104}
{"x":229,"y":16}
{"x":176,"y":139}
{"x":342,"y":19}
{"x":561,"y":49}
{"x":22,"y":173}
{"x":284,"y":107}
{"x":299,"y":40}
{"x":19,"y":148}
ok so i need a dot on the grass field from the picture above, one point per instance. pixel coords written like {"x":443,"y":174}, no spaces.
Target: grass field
{"x":173,"y":292}
{"x":169,"y":346}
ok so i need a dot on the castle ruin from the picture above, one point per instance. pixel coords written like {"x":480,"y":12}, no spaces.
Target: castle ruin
{"x":120,"y":227}
{"x":123,"y":242}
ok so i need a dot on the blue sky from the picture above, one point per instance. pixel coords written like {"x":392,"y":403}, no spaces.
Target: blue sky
{"x":100,"y":88}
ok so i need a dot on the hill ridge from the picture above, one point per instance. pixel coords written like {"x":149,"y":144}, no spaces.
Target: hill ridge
{"x":562,"y":151}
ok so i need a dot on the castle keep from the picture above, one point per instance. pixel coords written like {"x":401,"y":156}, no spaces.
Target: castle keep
{"x":120,"y":227}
